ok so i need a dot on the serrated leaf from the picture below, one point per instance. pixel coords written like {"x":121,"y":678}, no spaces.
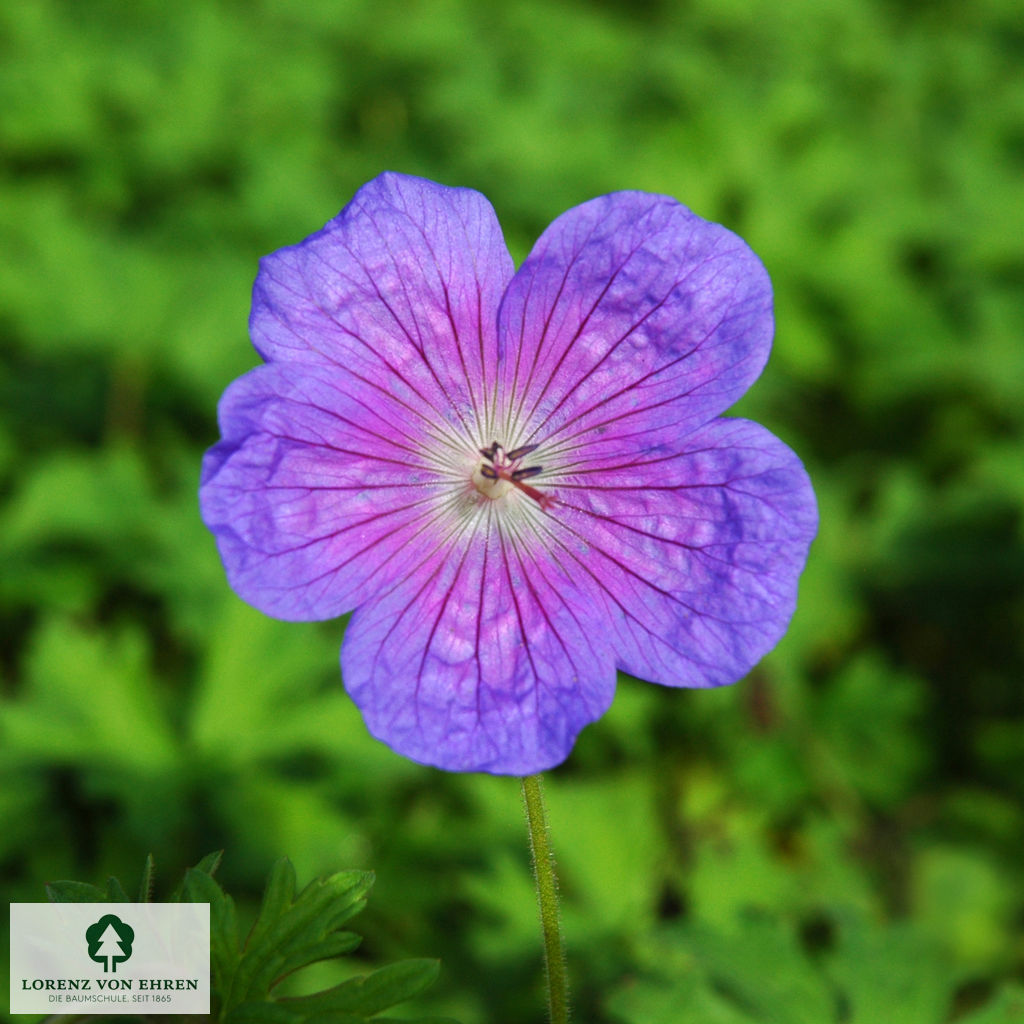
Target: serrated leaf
{"x":115,"y":892}
{"x":207,"y":866}
{"x":146,"y":885}
{"x":74,"y":892}
{"x":292,"y":932}
{"x":277,"y":897}
{"x":334,"y":945}
{"x":199,"y":887}
{"x":210,"y":862}
{"x":368,"y":994}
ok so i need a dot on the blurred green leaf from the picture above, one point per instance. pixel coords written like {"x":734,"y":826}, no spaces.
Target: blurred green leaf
{"x":1007,"y":1007}
{"x":761,"y":968}
{"x":877,"y":969}
{"x":688,"y":1000}
{"x":754,"y":972}
{"x":961,"y":894}
{"x":608,"y":848}
{"x":87,"y":700}
{"x":869,"y":723}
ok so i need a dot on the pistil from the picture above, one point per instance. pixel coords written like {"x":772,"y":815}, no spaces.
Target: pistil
{"x":500,"y":465}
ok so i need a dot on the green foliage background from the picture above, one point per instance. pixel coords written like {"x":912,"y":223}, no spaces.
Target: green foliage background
{"x":837,"y":835}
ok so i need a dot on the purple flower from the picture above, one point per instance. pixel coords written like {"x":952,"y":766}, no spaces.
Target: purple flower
{"x":520,"y":481}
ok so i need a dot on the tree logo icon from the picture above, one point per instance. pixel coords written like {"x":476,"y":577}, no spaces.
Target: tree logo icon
{"x":110,"y":941}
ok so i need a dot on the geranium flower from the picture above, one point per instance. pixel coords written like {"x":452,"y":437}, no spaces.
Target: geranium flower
{"x":518,"y":479}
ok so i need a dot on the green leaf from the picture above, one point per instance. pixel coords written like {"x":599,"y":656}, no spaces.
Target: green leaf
{"x":260,"y":1012}
{"x":327,"y":948}
{"x":146,"y":885}
{"x":763,"y":971}
{"x":685,"y":1000}
{"x":83,"y":892}
{"x":210,"y":862}
{"x":115,"y":892}
{"x":85,"y":692}
{"x":395,"y":1020}
{"x":294,"y":931}
{"x":199,"y":887}
{"x":878,"y":968}
{"x":277,"y":897}
{"x":1006,"y":1008}
{"x":368,"y":994}
{"x":961,"y":894}
{"x":869,"y":729}
{"x":290,"y":932}
{"x":755,"y":971}
{"x":75,"y":892}
{"x":207,"y":866}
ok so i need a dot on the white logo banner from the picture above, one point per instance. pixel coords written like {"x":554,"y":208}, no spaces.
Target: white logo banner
{"x":136,"y":958}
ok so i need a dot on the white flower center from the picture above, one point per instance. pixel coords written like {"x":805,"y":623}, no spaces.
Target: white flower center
{"x":500,"y":471}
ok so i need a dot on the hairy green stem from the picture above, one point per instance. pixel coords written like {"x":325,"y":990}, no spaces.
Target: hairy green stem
{"x":547,"y":900}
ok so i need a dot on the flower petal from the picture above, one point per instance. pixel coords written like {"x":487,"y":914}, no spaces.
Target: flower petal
{"x":402,"y":287}
{"x":631,"y":314}
{"x":485,"y":659}
{"x":695,"y":556}
{"x":319,"y":488}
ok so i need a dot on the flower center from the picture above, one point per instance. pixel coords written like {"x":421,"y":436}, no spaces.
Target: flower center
{"x":501,"y":471}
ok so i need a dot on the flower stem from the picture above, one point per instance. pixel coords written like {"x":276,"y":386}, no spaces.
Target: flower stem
{"x":547,"y":899}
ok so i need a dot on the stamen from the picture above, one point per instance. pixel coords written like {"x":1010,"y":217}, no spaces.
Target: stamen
{"x":518,"y":453}
{"x":490,"y":472}
{"x":525,"y":474}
